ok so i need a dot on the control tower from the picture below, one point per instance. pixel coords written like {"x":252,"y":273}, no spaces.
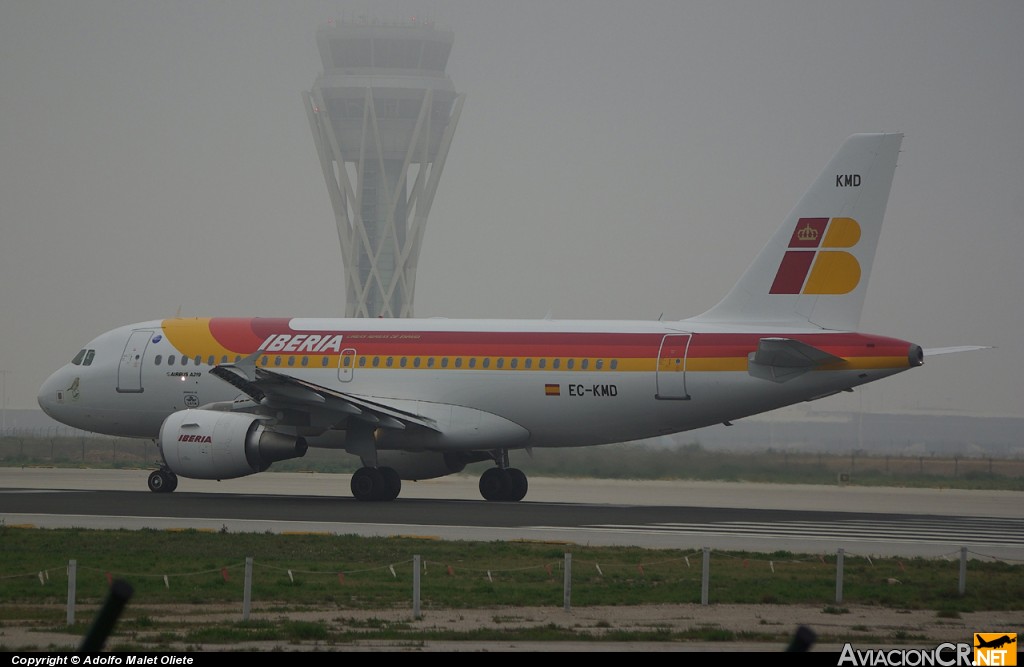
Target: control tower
{"x":383,"y":114}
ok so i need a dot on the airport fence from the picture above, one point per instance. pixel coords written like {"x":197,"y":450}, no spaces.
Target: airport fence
{"x":694,"y":577}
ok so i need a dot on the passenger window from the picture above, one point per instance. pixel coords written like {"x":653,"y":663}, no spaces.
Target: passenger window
{"x":501,"y":363}
{"x":514,"y":363}
{"x":157,"y":359}
{"x":223,"y":358}
{"x":89,"y":354}
{"x":615,"y":364}
{"x":238,"y":358}
{"x":362,"y":362}
{"x":528,"y":364}
{"x":390,"y":362}
{"x":305,"y":360}
{"x":487,"y":362}
{"x":277,"y":360}
{"x":376,"y":362}
{"x":347,"y":361}
{"x":555,"y":363}
{"x":416,"y":362}
{"x":291,"y":359}
{"x":402,"y":362}
{"x":170,"y":359}
{"x":184,"y":360}
{"x":472,"y":362}
{"x":444,"y":362}
{"x":265,"y":360}
{"x":199,"y":360}
{"x":542,"y":363}
{"x":599,"y":364}
{"x":77,"y":361}
{"x":430,"y":362}
{"x":584,"y":364}
{"x":458,"y":362}
{"x":323,"y":361}
{"x":211,"y":361}
{"x":569,"y":364}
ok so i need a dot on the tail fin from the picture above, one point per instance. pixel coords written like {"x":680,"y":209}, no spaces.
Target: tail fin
{"x":815,"y":268}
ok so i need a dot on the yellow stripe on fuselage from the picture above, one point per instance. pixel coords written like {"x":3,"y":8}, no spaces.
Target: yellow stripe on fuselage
{"x":192,"y":337}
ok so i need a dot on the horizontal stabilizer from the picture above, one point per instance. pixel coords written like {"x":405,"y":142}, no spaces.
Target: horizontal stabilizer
{"x":936,"y":351}
{"x":782,"y":359}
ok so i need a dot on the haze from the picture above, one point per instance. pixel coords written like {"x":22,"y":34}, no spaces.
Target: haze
{"x":613,"y":161}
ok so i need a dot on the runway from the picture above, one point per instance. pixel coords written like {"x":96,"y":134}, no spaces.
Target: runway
{"x":655,"y":514}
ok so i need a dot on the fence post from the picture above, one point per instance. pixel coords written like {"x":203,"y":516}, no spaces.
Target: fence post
{"x":247,"y":589}
{"x":567,"y":583}
{"x":963,"y":570}
{"x":416,"y":587}
{"x":72,"y":575}
{"x":705,"y":576}
{"x":839,"y":576}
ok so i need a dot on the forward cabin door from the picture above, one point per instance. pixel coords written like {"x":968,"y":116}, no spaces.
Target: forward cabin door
{"x":671,"y":370}
{"x":129,"y":371}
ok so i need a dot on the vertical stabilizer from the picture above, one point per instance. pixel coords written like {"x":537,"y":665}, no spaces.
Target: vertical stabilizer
{"x":815,"y":268}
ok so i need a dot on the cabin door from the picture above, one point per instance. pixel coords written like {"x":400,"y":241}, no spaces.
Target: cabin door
{"x":129,"y":372}
{"x":346,"y":362}
{"x":671,"y":371}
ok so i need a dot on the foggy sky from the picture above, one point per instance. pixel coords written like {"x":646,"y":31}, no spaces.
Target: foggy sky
{"x":613,"y":161}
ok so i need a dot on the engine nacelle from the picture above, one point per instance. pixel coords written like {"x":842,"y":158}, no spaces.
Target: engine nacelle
{"x":425,"y":465}
{"x":204,"y":444}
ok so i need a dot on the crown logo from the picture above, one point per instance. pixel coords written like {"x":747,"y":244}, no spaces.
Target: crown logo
{"x":807,"y":233}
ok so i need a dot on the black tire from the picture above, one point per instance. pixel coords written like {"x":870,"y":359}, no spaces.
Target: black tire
{"x":159,"y":482}
{"x":366,"y":484}
{"x":494,"y":484}
{"x":172,"y":482}
{"x":392,"y":484}
{"x":518,"y":485}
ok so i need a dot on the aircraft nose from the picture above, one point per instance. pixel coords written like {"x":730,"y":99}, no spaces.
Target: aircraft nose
{"x":52,"y":393}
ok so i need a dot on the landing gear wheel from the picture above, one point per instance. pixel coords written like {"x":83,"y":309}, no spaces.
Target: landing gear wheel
{"x":494,"y":484}
{"x":518,"y":485}
{"x":162,"y":482}
{"x":367,"y":483}
{"x":392,"y":485}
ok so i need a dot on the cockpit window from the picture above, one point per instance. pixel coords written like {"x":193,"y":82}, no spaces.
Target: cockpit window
{"x":89,"y":354}
{"x":78,"y":358}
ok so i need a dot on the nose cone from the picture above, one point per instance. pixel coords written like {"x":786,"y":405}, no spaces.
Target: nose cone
{"x":56,"y":392}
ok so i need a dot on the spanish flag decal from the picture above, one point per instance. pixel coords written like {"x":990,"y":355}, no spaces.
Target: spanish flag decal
{"x":552,"y":390}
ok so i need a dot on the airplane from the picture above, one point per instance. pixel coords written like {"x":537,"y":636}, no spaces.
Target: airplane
{"x":998,"y":642}
{"x":417,"y":399}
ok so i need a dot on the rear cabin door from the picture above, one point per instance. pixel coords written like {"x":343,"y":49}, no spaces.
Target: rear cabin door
{"x":671,"y":372}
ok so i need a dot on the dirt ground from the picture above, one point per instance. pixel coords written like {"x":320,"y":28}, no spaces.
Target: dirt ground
{"x":862,"y":627}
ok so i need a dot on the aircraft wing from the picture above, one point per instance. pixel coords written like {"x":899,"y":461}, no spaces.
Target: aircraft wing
{"x":279,"y":391}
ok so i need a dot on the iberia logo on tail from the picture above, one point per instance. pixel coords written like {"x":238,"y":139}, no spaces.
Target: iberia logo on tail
{"x":812,"y":265}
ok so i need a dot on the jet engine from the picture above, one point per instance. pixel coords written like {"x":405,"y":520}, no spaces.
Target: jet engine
{"x":204,"y":444}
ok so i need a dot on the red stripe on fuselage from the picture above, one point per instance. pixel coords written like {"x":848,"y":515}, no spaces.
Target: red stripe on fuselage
{"x":244,"y":336}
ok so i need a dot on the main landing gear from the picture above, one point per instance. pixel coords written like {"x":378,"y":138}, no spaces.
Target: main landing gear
{"x":503,"y":482}
{"x":162,"y":481}
{"x":376,"y":484}
{"x":508,"y":484}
